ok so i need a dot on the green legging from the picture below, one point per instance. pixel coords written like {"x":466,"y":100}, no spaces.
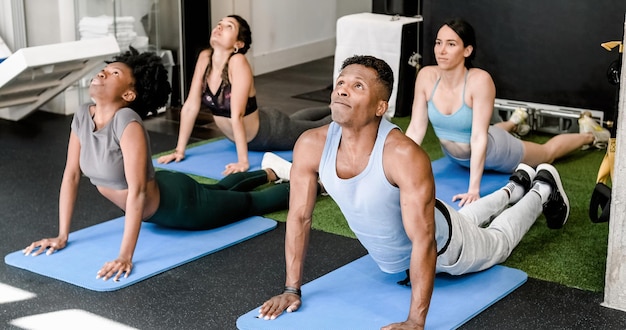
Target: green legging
{"x":188,"y":204}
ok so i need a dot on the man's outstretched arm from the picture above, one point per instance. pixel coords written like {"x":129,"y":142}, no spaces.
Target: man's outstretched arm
{"x":410,"y":170}
{"x":302,"y":198}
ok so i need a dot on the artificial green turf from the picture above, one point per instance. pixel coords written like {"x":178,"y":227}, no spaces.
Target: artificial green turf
{"x":574,"y":256}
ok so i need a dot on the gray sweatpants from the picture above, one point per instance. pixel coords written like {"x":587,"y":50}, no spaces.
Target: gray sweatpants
{"x":504,"y":151}
{"x":474,"y":247}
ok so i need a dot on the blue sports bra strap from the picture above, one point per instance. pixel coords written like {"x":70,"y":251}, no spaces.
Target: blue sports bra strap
{"x":465,"y":84}
{"x":434,"y":89}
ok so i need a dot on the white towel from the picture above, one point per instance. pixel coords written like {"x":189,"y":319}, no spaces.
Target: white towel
{"x":105,"y":24}
{"x":372,"y":34}
{"x":101,"y":26}
{"x":120,"y":35}
{"x":106,"y":20}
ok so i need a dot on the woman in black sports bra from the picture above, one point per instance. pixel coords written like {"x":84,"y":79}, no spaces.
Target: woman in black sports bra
{"x":223,"y":81}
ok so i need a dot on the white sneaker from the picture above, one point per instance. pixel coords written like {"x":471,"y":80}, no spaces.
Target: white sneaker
{"x":522,"y":129}
{"x":519,"y":117}
{"x":586,"y":124}
{"x":280,"y":166}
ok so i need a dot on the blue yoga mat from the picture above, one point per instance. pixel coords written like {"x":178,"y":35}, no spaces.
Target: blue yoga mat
{"x":158,"y":250}
{"x":360,"y":296}
{"x":209,"y":159}
{"x":452,"y":179}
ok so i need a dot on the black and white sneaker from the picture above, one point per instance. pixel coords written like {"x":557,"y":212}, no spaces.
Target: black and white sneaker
{"x":556,"y":209}
{"x":520,"y":182}
{"x":523,"y":175}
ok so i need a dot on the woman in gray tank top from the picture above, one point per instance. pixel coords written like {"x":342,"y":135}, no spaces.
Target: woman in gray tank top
{"x":109,"y":144}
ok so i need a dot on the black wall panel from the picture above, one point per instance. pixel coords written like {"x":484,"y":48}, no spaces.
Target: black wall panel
{"x":196,"y":32}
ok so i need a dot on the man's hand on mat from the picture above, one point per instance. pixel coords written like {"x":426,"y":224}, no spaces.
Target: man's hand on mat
{"x":115,"y":269}
{"x":174,"y":156}
{"x":466,"y":199}
{"x":236,"y":167}
{"x":272,"y":308}
{"x":403,"y":325}
{"x":48,"y":245}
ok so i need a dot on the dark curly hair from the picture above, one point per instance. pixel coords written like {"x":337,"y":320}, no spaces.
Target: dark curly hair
{"x":383,"y":70}
{"x":151,"y":81}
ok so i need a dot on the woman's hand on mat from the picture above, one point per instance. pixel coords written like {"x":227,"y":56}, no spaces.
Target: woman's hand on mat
{"x":466,"y":198}
{"x":115,"y":269}
{"x":48,"y":245}
{"x":174,"y":156}
{"x":236,"y":168}
{"x":272,"y":308}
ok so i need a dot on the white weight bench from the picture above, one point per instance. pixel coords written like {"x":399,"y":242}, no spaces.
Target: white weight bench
{"x":32,"y":76}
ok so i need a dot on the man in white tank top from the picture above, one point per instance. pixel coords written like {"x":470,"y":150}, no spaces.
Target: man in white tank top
{"x":368,"y":166}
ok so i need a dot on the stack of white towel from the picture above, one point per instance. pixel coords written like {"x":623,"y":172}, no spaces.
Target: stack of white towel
{"x":123,"y":28}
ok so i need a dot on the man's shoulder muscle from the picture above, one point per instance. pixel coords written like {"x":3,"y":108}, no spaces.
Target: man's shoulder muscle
{"x":402,"y":156}
{"x":310,"y":145}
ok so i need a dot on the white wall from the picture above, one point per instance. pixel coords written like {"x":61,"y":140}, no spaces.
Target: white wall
{"x":56,"y":16}
{"x":6,"y":24}
{"x":53,"y":23}
{"x":285,"y":29}
{"x":353,"y":7}
{"x":42,"y":22}
{"x":12,"y":24}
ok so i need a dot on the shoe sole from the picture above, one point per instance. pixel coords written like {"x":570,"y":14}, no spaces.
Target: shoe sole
{"x":557,"y":180}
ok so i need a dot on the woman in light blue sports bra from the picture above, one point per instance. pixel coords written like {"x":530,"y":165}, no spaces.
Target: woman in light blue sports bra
{"x":458,"y":100}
